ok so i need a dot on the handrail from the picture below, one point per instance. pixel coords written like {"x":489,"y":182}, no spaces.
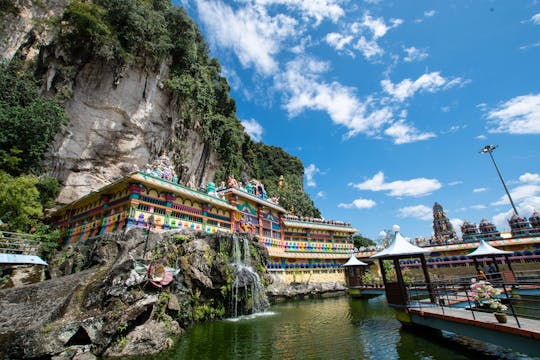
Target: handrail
{"x":457,"y":290}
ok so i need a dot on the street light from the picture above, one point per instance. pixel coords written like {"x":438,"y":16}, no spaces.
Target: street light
{"x":488,"y":149}
{"x":149,"y":225}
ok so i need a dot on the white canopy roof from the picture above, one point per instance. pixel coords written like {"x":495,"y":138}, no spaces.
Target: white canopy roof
{"x":400,"y":247}
{"x":484,"y":249}
{"x":353,"y":261}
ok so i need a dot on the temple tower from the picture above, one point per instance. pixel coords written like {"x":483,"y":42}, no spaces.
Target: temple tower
{"x":443,"y":231}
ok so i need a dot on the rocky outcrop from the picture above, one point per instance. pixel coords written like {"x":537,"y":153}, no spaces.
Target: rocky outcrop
{"x":98,"y":303}
{"x":280,"y":291}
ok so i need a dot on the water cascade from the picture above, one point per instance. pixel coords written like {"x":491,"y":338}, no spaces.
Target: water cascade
{"x":247,"y":293}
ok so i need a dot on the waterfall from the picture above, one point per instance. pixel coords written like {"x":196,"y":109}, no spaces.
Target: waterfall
{"x":247,"y":293}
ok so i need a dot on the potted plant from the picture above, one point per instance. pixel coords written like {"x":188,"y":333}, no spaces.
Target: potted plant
{"x":486,"y":296}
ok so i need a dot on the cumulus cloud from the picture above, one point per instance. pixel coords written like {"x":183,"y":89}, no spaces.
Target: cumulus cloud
{"x":536,"y":19}
{"x":520,"y":115}
{"x":368,"y":48}
{"x":414,"y":54}
{"x":306,"y":91}
{"x":310,"y":172}
{"x":316,"y":9}
{"x":253,"y":35}
{"x":519,"y":193}
{"x":429,"y":13}
{"x":321,"y":194}
{"x":403,"y":133}
{"x":420,"y":212}
{"x":526,"y":197}
{"x":456,"y":223}
{"x":431,"y":82}
{"x":253,"y":129}
{"x":525,"y":208}
{"x":363,"y":36}
{"x":479,"y":190}
{"x":530,"y":178}
{"x":359,"y":204}
{"x":413,"y":187}
{"x":337,"y":40}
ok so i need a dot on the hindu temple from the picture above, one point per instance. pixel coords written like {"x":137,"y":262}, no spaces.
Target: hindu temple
{"x":153,"y":199}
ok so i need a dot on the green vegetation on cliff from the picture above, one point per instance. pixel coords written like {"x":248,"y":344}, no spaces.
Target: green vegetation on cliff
{"x":150,"y":32}
{"x":147,"y":32}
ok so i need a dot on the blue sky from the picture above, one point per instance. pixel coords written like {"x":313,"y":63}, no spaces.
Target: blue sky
{"x":388,"y":103}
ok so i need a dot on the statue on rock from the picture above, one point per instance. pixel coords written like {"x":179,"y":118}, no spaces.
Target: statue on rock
{"x":162,"y":168}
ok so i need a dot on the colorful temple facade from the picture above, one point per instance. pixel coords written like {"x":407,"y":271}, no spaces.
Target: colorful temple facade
{"x":151,"y":199}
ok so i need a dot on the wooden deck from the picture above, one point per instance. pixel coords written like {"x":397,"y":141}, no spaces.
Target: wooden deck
{"x":524,"y":337}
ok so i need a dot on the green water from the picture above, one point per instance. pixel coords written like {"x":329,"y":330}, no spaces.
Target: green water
{"x":339,"y":328}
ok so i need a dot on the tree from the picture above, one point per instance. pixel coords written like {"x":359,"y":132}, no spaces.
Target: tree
{"x":361,"y":241}
{"x":28,"y":122}
{"x":19,"y":201}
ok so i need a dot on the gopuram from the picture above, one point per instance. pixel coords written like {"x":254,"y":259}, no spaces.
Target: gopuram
{"x":153,"y":199}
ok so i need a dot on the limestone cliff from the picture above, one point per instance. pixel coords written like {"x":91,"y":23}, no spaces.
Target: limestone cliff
{"x":119,"y":119}
{"x":115,"y":127}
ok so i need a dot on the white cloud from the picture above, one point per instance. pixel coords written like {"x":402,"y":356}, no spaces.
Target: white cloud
{"x":429,"y":13}
{"x":479,"y":190}
{"x":253,"y":35}
{"x":456,"y":223}
{"x":421,"y":212}
{"x":525,"y":208}
{"x":431,"y":82}
{"x":481,"y":137}
{"x":377,"y":26}
{"x":536,"y":19}
{"x":454,"y":183}
{"x":253,"y":129}
{"x":359,"y":204}
{"x":321,"y":194}
{"x":368,"y":48}
{"x":478,"y":207}
{"x":413,"y":187}
{"x":520,"y":115}
{"x":524,"y":194}
{"x":530,"y":178}
{"x":305,"y":91}
{"x":414,"y":54}
{"x":403,"y":133}
{"x":338,"y":41}
{"x":519,"y":193}
{"x":316,"y":9}
{"x":310,"y":172}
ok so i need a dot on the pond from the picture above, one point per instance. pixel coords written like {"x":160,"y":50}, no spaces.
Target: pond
{"x":337,"y":328}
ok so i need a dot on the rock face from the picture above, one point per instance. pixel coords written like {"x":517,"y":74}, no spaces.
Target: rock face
{"x":119,"y":118}
{"x":99,"y":304}
{"x":115,"y":126}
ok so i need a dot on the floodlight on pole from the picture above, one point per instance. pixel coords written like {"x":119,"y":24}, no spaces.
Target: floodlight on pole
{"x":488,"y":149}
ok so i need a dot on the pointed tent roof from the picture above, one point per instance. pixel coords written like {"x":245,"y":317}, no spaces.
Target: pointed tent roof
{"x":484,"y":249}
{"x":353,"y":261}
{"x":400,"y":247}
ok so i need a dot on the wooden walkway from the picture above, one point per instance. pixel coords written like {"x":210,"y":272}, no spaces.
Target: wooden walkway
{"x":530,"y":328}
{"x":524,"y":337}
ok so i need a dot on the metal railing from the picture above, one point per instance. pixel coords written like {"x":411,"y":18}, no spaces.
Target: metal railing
{"x":456,"y":292}
{"x":19,"y":243}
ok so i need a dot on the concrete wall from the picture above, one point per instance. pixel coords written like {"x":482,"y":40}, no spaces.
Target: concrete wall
{"x":307,"y":275}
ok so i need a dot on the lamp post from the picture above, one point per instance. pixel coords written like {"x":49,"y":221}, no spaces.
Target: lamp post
{"x":488,"y":149}
{"x":149,"y":225}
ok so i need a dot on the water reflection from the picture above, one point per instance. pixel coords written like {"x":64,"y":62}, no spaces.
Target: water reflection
{"x":339,"y":328}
